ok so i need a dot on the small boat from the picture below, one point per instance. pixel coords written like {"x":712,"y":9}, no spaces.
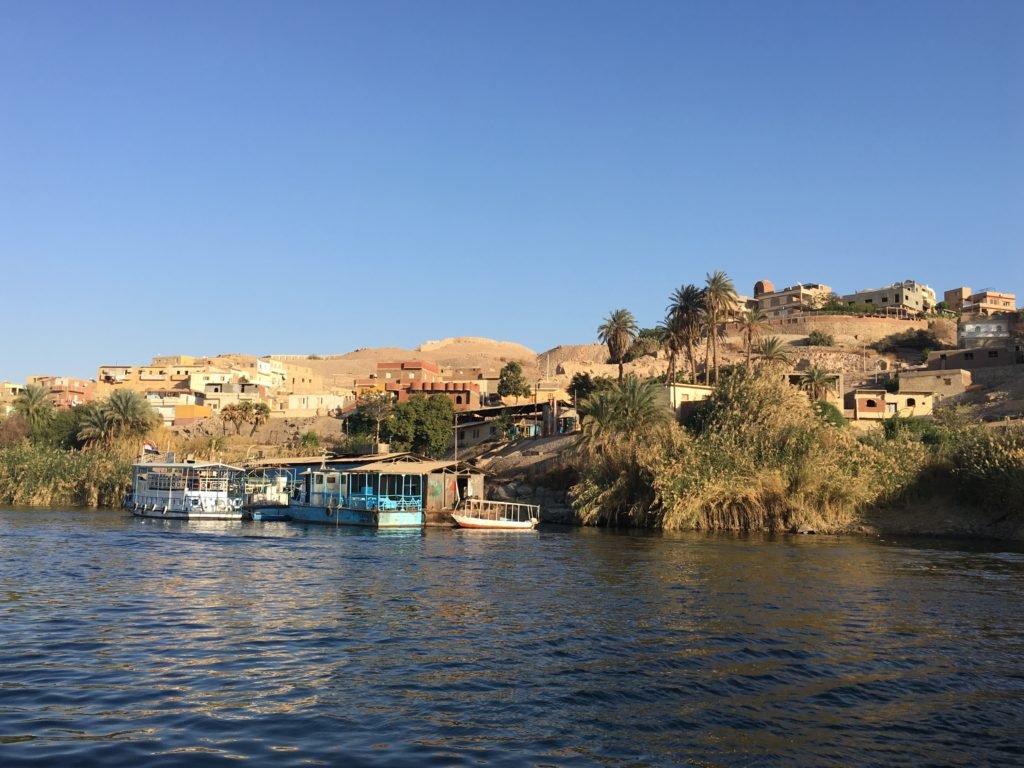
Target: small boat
{"x":496,"y":515}
{"x":186,"y":491}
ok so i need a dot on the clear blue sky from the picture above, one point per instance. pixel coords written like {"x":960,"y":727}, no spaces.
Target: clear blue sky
{"x":271,"y":177}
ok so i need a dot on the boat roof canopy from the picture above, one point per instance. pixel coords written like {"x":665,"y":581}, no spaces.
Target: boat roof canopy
{"x":420,"y":467}
{"x":187,"y":465}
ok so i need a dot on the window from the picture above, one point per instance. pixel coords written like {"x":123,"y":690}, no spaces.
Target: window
{"x":885,"y":299}
{"x":993,"y":353}
{"x":968,"y":355}
{"x":948,"y":382}
{"x":911,"y":402}
{"x":494,"y":431}
{"x":871,"y":404}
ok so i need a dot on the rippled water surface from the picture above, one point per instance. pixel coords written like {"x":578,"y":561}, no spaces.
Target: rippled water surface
{"x":129,"y":642}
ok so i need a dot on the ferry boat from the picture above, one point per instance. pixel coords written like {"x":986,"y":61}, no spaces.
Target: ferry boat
{"x":397,"y":491}
{"x":186,"y":491}
{"x":496,"y":515}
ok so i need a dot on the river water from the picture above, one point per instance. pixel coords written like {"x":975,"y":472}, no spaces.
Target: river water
{"x":131,"y":642}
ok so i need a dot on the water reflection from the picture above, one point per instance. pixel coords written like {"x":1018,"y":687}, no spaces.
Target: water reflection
{"x":174,"y":643}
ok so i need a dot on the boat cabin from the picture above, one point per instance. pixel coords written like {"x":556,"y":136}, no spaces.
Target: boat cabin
{"x":186,"y":487}
{"x":408,"y":483}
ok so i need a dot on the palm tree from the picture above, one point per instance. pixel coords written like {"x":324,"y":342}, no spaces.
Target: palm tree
{"x":719,"y":300}
{"x":772,"y":351}
{"x":683,"y":325}
{"x":817,"y":382}
{"x":128,"y":415}
{"x":93,"y":427}
{"x":233,"y":414}
{"x":260,"y":414}
{"x":628,"y":410}
{"x":33,"y":404}
{"x":751,"y":323}
{"x":246,"y":409}
{"x":618,"y":331}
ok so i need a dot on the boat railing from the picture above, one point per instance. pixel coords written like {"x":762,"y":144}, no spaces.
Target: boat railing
{"x":486,"y":509}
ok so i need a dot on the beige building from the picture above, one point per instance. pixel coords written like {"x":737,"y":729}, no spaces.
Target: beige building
{"x":983,"y":302}
{"x":681,"y":398}
{"x":942,"y":384}
{"x":791,"y":300}
{"x":906,"y":297}
{"x":8,"y":392}
{"x":317,"y":404}
{"x":166,"y":402}
{"x":991,"y":302}
{"x":877,"y":404}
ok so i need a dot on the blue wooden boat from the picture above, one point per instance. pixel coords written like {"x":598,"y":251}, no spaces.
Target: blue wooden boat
{"x":397,"y":491}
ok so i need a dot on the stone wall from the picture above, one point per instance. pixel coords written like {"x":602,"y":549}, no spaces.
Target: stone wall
{"x":843,"y":327}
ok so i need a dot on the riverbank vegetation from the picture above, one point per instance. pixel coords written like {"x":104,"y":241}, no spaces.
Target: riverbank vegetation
{"x":71,"y":457}
{"x":761,"y":454}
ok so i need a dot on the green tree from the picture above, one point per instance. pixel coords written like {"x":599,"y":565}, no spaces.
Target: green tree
{"x":375,"y":407}
{"x":772,"y":352}
{"x":128,"y":415}
{"x":512,"y":383}
{"x":581,"y":386}
{"x":232,"y":413}
{"x":626,"y":411}
{"x":817,"y":382}
{"x":423,"y":424}
{"x":93,"y":427}
{"x":33,"y":404}
{"x":61,"y":431}
{"x":617,"y":332}
{"x":648,"y":341}
{"x":683,"y":326}
{"x":260,"y":415}
{"x":752,"y":324}
{"x":719,"y":300}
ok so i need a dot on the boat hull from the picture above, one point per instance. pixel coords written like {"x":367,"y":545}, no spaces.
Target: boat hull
{"x":159,"y":514}
{"x":362,"y":518}
{"x":466,"y":521}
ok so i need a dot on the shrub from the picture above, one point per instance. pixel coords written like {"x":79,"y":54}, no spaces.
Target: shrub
{"x":829,"y":414}
{"x":919,"y":340}
{"x":40,"y":475}
{"x":990,"y":466}
{"x":820,"y":339}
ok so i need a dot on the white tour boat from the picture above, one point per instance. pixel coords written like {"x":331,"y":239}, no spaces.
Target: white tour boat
{"x":187,"y":491}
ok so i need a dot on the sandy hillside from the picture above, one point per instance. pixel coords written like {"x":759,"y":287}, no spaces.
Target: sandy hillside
{"x":462,"y":352}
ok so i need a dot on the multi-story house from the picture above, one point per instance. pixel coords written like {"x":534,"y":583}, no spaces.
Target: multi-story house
{"x":981,"y":302}
{"x":66,"y":391}
{"x":906,"y":297}
{"x":791,"y":300}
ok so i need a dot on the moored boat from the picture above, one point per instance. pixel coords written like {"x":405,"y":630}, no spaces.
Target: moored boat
{"x":496,"y":515}
{"x":186,"y":491}
{"x":394,"y":491}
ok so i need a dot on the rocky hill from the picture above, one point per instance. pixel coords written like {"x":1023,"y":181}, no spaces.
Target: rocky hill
{"x":455,"y":353}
